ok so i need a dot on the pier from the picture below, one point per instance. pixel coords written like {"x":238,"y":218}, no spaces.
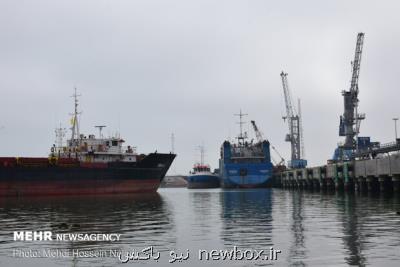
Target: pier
{"x":375,"y":174}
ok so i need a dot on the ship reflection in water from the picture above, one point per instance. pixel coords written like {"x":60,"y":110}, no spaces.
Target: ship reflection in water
{"x":140,"y":219}
{"x":247,"y":218}
{"x":311,"y":229}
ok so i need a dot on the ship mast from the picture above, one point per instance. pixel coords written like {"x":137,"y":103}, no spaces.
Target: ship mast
{"x":100,"y":127}
{"x":202,"y":150}
{"x":172,"y":143}
{"x":74,"y":121}
{"x":241,"y":136}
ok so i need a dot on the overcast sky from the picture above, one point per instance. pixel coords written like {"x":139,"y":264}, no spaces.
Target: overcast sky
{"x":150,"y":68}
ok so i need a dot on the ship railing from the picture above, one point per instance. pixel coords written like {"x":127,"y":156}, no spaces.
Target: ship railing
{"x":248,"y":154}
{"x":247,"y":157}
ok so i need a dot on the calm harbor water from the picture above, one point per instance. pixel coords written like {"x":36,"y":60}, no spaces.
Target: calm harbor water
{"x":310,"y":229}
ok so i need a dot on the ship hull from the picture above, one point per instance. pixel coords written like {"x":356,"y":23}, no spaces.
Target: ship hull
{"x":203,"y":181}
{"x":85,"y":179}
{"x":256,"y":175}
{"x":82,"y":187}
{"x":245,"y":165}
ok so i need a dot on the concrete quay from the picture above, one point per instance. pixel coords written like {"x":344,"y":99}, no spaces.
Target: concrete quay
{"x":378,"y":174}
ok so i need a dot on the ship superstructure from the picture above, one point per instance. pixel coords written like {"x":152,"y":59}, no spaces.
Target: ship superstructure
{"x":91,"y":149}
{"x":245,"y":164}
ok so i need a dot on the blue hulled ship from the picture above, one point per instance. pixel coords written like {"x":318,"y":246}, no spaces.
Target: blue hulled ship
{"x":245,"y":164}
{"x":201,"y":176}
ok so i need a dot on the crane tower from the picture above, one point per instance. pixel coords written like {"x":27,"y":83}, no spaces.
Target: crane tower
{"x":295,"y":128}
{"x":350,"y":120}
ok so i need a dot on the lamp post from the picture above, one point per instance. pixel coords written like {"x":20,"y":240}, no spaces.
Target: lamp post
{"x":395,"y":127}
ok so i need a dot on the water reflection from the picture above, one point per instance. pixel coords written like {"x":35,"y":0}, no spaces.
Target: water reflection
{"x":311,"y":229}
{"x":142,"y":220}
{"x":205,"y":210}
{"x":297,"y":250}
{"x":247,"y":219}
{"x":352,"y":235}
{"x":366,"y":218}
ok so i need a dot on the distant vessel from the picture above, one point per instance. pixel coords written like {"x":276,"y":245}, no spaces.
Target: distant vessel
{"x":86,"y":165}
{"x":201,"y":176}
{"x":245,"y":164}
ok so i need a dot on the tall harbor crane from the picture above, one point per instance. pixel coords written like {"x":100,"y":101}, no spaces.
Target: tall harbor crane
{"x":355,"y":146}
{"x":351,"y":119}
{"x":295,"y":128}
{"x":260,"y":138}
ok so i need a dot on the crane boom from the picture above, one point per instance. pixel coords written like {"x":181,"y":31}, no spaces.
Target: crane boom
{"x":350,"y":120}
{"x":260,"y":138}
{"x":288,"y":98}
{"x":357,"y":63}
{"x":257,"y":132}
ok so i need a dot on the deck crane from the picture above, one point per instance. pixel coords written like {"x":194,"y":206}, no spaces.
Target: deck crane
{"x":295,"y":128}
{"x":350,"y":120}
{"x":260,"y":138}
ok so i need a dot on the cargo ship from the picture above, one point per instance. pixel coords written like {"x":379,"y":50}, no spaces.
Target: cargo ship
{"x":245,"y":164}
{"x":84,"y":165}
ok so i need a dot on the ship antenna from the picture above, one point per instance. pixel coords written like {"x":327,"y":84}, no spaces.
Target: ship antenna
{"x":100,"y":127}
{"x":172,"y":143}
{"x":74,"y":120}
{"x":201,"y":148}
{"x":241,"y":137}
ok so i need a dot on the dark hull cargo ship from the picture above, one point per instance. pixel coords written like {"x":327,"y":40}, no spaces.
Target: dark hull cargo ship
{"x":43,"y":176}
{"x":85,"y":165}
